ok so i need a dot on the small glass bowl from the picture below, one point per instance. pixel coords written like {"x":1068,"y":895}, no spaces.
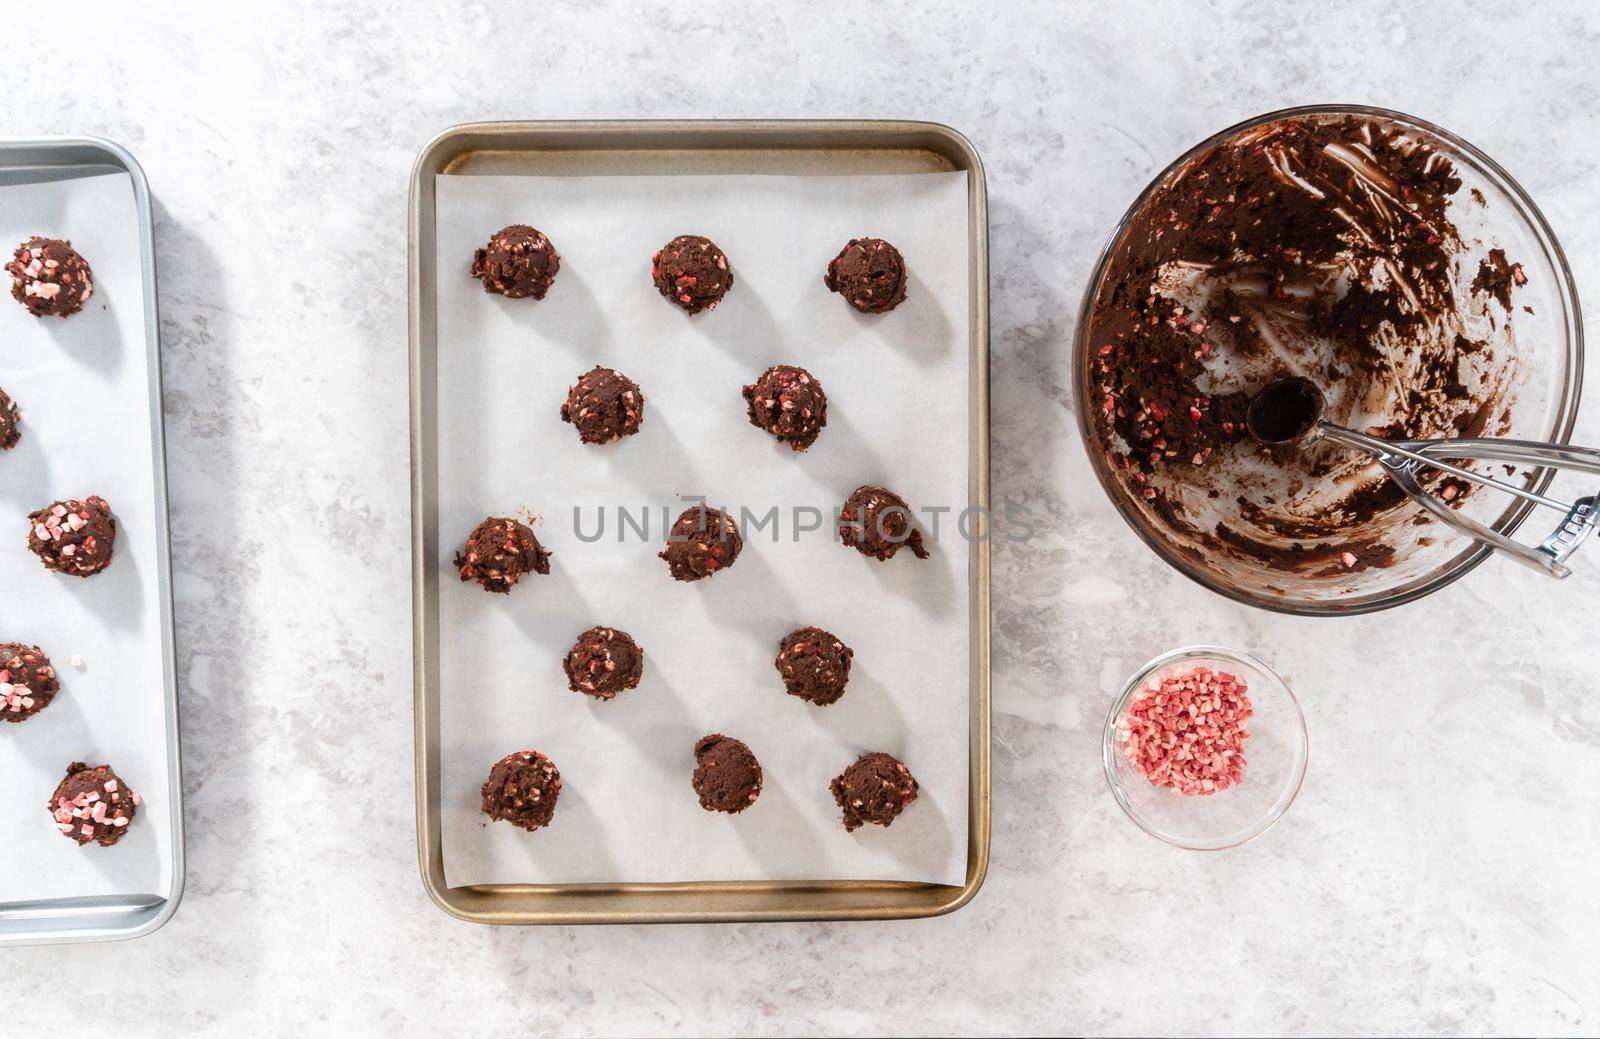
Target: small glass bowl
{"x":1275,"y":759}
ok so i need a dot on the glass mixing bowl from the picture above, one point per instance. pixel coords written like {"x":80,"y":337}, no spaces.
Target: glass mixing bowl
{"x":1275,"y":759}
{"x":1548,"y":359}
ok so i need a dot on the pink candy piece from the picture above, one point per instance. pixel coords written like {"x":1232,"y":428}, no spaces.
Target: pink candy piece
{"x":1187,"y":731}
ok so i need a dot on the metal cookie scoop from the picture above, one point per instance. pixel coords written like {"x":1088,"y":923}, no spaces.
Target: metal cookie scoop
{"x":1289,"y":411}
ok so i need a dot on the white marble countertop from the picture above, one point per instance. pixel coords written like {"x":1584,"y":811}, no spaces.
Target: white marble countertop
{"x":1437,"y":874}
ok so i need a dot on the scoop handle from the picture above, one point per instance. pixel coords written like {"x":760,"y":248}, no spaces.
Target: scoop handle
{"x":1528,"y":452}
{"x":1414,"y":453}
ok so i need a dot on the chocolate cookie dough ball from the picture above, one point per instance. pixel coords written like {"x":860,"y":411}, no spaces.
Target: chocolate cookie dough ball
{"x":28,"y":681}
{"x":692,"y":272}
{"x":499,"y":552}
{"x":604,"y":662}
{"x":702,"y":542}
{"x":93,"y":804}
{"x":73,"y":537}
{"x":49,"y":277}
{"x":518,"y":262}
{"x":815,"y":665}
{"x":605,"y":405}
{"x":876,"y":789}
{"x":10,"y":422}
{"x":727,"y":775}
{"x":870,"y":274}
{"x":878,"y":523}
{"x":788,"y":402}
{"x":522,"y":789}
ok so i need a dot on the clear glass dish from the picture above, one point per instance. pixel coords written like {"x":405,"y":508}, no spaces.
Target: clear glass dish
{"x":1275,"y":759}
{"x":1549,"y":363}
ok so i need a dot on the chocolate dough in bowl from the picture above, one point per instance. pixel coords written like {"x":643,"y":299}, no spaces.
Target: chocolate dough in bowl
{"x":1391,"y":264}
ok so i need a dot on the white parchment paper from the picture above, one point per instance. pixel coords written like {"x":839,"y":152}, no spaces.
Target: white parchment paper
{"x":83,"y":388}
{"x":897,"y":386}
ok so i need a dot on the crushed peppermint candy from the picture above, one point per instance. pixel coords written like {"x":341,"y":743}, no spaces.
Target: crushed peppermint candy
{"x":1187,"y":731}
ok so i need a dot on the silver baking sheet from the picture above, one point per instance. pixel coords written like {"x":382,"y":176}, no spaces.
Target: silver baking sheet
{"x":110,"y":637}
